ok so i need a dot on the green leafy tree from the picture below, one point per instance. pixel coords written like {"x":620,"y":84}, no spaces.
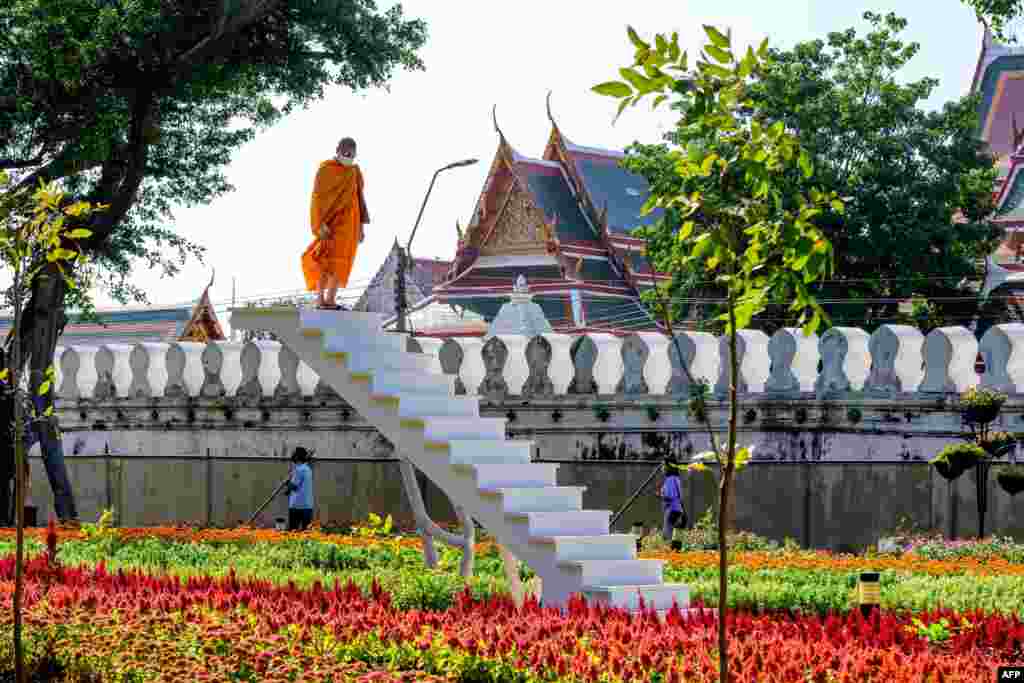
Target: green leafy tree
{"x":140,"y":106}
{"x":748,"y":212}
{"x":37,"y":237}
{"x":918,"y":185}
{"x":997,"y":15}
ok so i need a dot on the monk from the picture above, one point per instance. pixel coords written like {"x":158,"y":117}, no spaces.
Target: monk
{"x":337,"y":215}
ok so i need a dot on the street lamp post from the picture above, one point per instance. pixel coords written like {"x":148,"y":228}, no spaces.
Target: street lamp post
{"x":405,"y":256}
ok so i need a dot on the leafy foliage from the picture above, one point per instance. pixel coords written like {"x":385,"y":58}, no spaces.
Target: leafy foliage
{"x":917,"y":186}
{"x":997,"y":14}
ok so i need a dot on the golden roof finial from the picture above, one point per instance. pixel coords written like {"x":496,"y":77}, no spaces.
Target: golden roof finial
{"x":494,"y":118}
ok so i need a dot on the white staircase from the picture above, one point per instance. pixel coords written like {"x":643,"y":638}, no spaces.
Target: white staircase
{"x":411,"y":402}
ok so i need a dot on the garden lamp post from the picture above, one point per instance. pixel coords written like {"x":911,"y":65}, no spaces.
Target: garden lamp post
{"x":405,"y":256}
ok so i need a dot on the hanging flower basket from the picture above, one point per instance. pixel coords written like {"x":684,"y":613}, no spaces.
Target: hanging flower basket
{"x":956,"y":459}
{"x":981,"y":406}
{"x":1011,"y":478}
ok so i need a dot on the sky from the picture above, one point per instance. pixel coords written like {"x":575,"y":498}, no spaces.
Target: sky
{"x":480,"y":54}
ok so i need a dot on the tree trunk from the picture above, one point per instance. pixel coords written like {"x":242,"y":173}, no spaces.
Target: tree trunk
{"x":724,"y":495}
{"x":43,"y":320}
{"x":19,"y":481}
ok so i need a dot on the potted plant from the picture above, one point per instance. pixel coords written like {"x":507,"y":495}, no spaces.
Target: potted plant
{"x":1011,"y":478}
{"x":957,"y":458}
{"x":980,"y":405}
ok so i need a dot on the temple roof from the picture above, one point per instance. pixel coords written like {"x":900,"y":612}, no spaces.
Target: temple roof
{"x":203,"y":325}
{"x":623,"y":192}
{"x":564,"y":222}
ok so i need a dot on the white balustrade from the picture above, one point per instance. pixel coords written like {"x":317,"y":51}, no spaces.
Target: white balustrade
{"x":949,"y":357}
{"x":845,"y":361}
{"x":472,"y":370}
{"x":658,"y":368}
{"x":608,"y":366}
{"x":1002,"y":347}
{"x":560,"y":369}
{"x":78,"y":366}
{"x":268,"y":367}
{"x":696,"y":352}
{"x":794,"y":361}
{"x":149,"y":369}
{"x":897,"y":360}
{"x":113,"y":362}
{"x":517,"y":367}
{"x":185,"y":367}
{"x":223,"y":359}
{"x":752,"y":357}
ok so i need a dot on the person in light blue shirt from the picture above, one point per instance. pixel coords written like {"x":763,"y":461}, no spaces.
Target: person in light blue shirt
{"x":300,"y":492}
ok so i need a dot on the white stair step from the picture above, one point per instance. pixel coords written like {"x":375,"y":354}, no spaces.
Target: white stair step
{"x":513,"y":475}
{"x":616,"y":572}
{"x":394,"y":383}
{"x":442,"y":429}
{"x":353,"y":342}
{"x":568,"y":523}
{"x":493,"y":452}
{"x":328,"y":322}
{"x":539,"y":499}
{"x":606,"y":547}
{"x":412,"y":363}
{"x":656,"y":596}
{"x":424,"y":405}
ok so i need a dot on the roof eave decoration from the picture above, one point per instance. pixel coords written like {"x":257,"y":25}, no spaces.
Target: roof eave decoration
{"x":556,"y":140}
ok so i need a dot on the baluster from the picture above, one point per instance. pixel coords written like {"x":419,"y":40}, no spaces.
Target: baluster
{"x":949,"y":357}
{"x":752,"y":354}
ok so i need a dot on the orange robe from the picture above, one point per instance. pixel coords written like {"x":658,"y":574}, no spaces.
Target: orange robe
{"x":338,"y":202}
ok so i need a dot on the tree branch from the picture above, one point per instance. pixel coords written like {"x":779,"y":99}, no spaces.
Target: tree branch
{"x":127,"y":179}
{"x":250,"y":13}
{"x":20,"y":163}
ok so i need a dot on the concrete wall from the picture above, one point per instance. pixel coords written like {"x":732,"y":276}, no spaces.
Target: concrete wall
{"x":837,"y":506}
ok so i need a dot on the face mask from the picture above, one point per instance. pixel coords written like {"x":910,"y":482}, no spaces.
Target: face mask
{"x":346,"y":161}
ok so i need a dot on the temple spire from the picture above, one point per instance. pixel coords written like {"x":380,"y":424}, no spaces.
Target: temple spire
{"x":204,"y":326}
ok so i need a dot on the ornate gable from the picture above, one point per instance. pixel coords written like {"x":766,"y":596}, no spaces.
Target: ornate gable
{"x":520,"y":230}
{"x":203,"y":326}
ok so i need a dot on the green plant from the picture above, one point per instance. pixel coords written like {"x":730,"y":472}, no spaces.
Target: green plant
{"x":748,"y":210}
{"x":938,"y":631}
{"x":854,"y":415}
{"x":980,"y":405}
{"x":601,"y":412}
{"x":955,"y":459}
{"x":653,"y":413}
{"x":1011,"y":478}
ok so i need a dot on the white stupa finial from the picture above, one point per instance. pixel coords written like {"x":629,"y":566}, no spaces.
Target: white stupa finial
{"x":520,"y":286}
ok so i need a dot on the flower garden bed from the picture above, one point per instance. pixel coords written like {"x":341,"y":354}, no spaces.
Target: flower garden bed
{"x":243,"y":605}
